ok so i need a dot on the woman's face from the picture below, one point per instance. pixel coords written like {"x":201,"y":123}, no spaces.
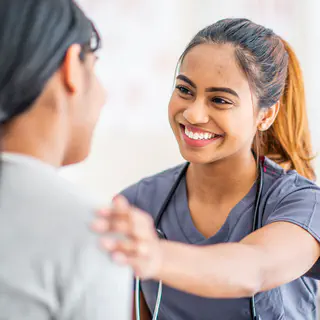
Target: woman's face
{"x":211,"y":110}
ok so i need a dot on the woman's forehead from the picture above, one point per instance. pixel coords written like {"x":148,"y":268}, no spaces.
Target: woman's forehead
{"x":214,"y":64}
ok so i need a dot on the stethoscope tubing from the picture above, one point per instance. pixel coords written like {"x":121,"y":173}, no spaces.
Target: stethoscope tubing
{"x":256,"y":224}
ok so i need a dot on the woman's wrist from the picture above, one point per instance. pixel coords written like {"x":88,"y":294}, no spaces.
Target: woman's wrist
{"x":162,"y":259}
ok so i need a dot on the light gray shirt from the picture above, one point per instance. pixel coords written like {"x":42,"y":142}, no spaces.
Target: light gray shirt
{"x":51,"y":266}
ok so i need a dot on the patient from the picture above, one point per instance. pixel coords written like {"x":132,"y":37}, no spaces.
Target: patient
{"x":50,"y":99}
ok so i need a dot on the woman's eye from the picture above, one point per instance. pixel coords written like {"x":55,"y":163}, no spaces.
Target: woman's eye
{"x":183,"y":90}
{"x":221,"y":101}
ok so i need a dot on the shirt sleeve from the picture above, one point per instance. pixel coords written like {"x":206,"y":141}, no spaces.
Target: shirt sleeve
{"x":302,"y":208}
{"x":131,"y":193}
{"x":97,"y":288}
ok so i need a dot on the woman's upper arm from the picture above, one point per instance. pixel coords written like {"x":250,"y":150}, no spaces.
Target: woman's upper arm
{"x":288,"y":244}
{"x":284,"y":252}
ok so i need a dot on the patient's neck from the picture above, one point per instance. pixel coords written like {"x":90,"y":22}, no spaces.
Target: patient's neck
{"x":42,"y":141}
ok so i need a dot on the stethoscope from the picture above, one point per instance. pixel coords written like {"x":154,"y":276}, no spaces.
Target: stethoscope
{"x":257,"y":223}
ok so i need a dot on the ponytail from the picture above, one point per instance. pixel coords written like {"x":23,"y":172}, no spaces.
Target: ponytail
{"x":288,"y":142}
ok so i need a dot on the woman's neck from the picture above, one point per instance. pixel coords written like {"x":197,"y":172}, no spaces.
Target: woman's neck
{"x":224,"y":180}
{"x":32,"y":138}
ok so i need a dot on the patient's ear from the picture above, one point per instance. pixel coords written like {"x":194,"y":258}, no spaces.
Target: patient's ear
{"x":72,"y":69}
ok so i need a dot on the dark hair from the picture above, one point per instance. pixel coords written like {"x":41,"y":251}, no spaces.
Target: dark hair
{"x":274,"y":75}
{"x":34,"y":38}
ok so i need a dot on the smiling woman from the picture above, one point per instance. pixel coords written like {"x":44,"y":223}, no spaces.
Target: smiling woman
{"x":238,"y":95}
{"x":217,"y":93}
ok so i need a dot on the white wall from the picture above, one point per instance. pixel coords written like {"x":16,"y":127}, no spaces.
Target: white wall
{"x":142,"y":42}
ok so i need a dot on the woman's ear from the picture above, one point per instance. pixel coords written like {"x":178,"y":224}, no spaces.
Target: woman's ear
{"x":71,"y":69}
{"x":267,"y":117}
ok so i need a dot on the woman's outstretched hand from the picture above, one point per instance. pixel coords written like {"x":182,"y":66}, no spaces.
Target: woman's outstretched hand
{"x":138,"y":244}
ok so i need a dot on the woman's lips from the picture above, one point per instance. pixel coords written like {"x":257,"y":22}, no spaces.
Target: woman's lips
{"x":196,"y":137}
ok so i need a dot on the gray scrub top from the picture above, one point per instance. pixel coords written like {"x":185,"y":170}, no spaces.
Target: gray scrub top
{"x":286,"y":196}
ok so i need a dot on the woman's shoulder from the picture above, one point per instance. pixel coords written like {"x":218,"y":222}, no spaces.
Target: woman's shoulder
{"x":290,"y":197}
{"x":150,"y":192}
{"x":281,"y":183}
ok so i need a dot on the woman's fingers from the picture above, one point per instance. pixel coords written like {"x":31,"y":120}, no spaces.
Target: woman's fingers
{"x":128,"y":247}
{"x":139,"y":243}
{"x":100,"y":225}
{"x":121,"y":206}
{"x":104,"y":213}
{"x":138,"y":246}
{"x":124,"y":219}
{"x":142,"y":225}
{"x":115,"y":218}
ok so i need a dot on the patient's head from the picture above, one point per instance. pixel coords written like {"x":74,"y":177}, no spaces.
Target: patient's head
{"x":50,"y":97}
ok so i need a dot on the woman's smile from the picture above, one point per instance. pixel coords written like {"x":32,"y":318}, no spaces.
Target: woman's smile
{"x":196,"y":137}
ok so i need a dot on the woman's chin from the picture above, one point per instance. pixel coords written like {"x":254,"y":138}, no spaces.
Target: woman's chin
{"x":199,"y":157}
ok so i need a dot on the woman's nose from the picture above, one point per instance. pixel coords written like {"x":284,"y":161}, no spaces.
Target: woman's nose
{"x":196,"y":113}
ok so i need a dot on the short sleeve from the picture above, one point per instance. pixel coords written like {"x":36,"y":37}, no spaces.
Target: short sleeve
{"x":130,"y":193}
{"x":302,"y":208}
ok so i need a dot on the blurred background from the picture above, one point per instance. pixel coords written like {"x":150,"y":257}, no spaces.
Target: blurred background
{"x":142,"y":41}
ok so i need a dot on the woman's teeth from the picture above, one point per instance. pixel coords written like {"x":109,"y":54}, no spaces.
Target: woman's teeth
{"x":199,"y":135}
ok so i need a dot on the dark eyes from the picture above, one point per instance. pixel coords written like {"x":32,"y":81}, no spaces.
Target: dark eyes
{"x":220,"y":101}
{"x":183,"y":90}
{"x":186,"y":93}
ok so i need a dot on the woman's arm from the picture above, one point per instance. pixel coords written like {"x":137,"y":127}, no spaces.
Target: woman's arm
{"x":273,"y":255}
